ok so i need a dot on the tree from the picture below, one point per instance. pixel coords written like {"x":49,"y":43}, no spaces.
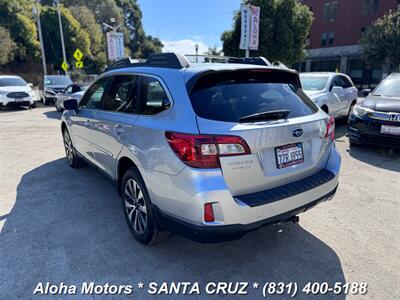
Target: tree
{"x":7,"y":46}
{"x":284,"y":27}
{"x":214,"y":51}
{"x":74,"y":35}
{"x":139,"y":44}
{"x":97,"y":61}
{"x":17,"y":18}
{"x":381,"y":42}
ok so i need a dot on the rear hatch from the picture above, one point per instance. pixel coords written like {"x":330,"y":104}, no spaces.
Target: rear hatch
{"x":284,"y":131}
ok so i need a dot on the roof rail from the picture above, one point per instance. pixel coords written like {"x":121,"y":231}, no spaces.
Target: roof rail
{"x":162,"y":60}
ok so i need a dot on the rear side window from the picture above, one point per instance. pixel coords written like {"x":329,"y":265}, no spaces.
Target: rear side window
{"x":153,"y":98}
{"x":229,"y":96}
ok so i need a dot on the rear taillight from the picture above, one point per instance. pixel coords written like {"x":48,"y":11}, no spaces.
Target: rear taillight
{"x":204,"y":151}
{"x":330,"y":129}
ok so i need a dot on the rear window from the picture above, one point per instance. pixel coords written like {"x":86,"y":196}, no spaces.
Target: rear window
{"x":229,"y":96}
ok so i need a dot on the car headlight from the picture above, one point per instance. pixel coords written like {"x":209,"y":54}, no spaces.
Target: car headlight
{"x":361,"y":111}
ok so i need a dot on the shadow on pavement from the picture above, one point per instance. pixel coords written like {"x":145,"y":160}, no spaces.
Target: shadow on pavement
{"x":67,"y":226}
{"x":53,"y":114}
{"x":384,"y":158}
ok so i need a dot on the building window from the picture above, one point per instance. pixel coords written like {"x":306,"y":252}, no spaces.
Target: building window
{"x":370,"y":7}
{"x":330,"y":9}
{"x":323,"y":39}
{"x":331,"y":40}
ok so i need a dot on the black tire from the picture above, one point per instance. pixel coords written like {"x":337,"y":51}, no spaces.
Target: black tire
{"x":33,"y":105}
{"x":45,"y":102}
{"x":325,"y":109}
{"x":73,"y":159}
{"x":139,"y":215}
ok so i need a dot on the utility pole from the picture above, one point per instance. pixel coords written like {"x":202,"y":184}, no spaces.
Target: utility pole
{"x":196,"y":47}
{"x":61,"y":34}
{"x":36,"y":13}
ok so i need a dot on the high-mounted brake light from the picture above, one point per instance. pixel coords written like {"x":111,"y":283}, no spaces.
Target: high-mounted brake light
{"x":204,"y":151}
{"x":330,"y":129}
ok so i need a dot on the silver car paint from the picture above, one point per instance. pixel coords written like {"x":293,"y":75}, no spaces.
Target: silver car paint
{"x":104,"y":138}
{"x":338,"y":104}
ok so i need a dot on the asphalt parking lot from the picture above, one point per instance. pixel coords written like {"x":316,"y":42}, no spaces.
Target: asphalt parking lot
{"x":63,"y":225}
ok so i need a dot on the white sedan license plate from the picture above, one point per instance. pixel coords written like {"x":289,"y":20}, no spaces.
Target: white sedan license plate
{"x":392,"y":130}
{"x":289,"y":155}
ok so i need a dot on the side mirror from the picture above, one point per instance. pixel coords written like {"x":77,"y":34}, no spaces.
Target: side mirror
{"x":30,"y":85}
{"x":365,"y":92}
{"x":337,"y":90}
{"x":71,"y":104}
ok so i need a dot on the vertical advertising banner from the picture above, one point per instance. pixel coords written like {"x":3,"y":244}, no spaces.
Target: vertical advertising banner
{"x":245,"y":29}
{"x":115,"y":45}
{"x":254,"y":27}
{"x":112,"y":54}
{"x":120,"y":47}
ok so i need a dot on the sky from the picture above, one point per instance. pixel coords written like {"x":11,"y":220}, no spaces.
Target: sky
{"x":180,"y":24}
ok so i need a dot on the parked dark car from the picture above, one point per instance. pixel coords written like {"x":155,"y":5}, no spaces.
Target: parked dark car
{"x":52,"y":85}
{"x":376,"y":120}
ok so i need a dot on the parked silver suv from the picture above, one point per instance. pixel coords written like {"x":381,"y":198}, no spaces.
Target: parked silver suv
{"x":210,"y":151}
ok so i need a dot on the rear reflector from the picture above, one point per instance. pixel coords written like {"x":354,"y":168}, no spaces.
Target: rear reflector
{"x":204,"y":151}
{"x":208,"y":213}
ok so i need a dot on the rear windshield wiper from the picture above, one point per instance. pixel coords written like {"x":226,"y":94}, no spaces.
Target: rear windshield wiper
{"x":265,"y":116}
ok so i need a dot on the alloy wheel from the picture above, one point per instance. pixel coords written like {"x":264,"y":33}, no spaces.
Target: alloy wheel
{"x":68,"y":148}
{"x":135,"y":206}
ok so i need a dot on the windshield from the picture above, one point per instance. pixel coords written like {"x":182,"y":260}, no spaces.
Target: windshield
{"x":313,"y":83}
{"x":12,"y":81}
{"x":229,"y":97}
{"x":57,"y":80}
{"x":388,"y":88}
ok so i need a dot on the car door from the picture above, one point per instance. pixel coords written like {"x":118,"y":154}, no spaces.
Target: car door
{"x":113,"y":121}
{"x":337,"y":98}
{"x":83,"y":120}
{"x":350,"y":94}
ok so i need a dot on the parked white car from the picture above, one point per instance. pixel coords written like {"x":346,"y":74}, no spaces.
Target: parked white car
{"x":335,"y":93}
{"x":15,"y":92}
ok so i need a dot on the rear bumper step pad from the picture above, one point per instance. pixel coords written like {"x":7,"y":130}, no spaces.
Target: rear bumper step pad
{"x":287,"y":190}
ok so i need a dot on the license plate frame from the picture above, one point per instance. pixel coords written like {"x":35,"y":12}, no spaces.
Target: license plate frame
{"x":390,"y":130}
{"x":287,"y":148}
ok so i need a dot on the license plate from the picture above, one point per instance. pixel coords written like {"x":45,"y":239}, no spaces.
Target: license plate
{"x":289,"y":155}
{"x":392,"y":130}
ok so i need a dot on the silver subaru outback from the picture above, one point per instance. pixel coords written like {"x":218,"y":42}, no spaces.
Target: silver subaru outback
{"x":210,"y":151}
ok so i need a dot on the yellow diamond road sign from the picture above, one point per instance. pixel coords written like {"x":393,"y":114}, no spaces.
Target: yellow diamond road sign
{"x":64,"y":66}
{"x":79,"y":64}
{"x":78,"y":54}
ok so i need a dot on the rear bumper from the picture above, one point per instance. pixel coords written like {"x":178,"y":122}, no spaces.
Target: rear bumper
{"x":364,"y":130}
{"x":214,"y":234}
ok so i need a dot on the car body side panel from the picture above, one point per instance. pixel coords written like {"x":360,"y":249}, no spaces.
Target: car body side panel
{"x":80,"y":127}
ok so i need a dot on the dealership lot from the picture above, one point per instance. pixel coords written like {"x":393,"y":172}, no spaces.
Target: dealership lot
{"x":63,"y":225}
